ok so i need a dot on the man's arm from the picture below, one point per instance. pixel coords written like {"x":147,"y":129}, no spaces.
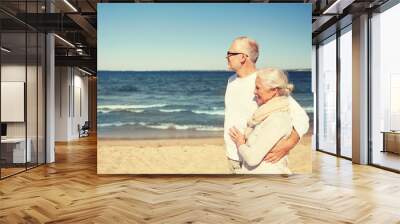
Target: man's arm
{"x":300,"y":119}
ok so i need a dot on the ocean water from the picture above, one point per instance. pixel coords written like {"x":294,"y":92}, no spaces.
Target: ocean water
{"x":133,"y":103}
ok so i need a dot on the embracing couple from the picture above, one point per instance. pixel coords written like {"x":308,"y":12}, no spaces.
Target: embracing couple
{"x":262,"y":121}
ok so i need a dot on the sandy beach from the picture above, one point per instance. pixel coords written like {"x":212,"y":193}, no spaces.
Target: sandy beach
{"x":180,"y":156}
{"x":172,"y":122}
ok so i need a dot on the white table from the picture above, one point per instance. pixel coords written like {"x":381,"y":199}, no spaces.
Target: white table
{"x":19,"y":155}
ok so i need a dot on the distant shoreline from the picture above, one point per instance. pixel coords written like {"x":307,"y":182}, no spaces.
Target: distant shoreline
{"x":289,"y":70}
{"x":131,"y":132}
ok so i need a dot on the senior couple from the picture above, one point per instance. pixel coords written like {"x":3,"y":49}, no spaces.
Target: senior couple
{"x":262,"y":121}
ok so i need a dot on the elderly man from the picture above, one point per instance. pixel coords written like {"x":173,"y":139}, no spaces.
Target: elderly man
{"x":240,"y":103}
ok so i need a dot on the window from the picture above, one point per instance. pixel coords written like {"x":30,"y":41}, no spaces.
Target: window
{"x":327,"y":95}
{"x":23,"y":80}
{"x":385,"y":89}
{"x":346,"y":75}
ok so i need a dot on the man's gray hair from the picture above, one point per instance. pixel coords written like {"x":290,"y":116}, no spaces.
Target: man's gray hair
{"x":252,"y":46}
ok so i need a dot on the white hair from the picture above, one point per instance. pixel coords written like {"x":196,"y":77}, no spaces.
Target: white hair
{"x":275,"y":78}
{"x":252,"y":47}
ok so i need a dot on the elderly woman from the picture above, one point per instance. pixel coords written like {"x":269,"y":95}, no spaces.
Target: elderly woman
{"x":270,"y":123}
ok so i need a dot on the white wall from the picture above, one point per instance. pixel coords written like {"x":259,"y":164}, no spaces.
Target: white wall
{"x":70,"y":84}
{"x":81,"y":89}
{"x":62,"y":80}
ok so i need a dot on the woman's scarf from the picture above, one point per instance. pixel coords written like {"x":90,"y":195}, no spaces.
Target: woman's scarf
{"x":278,"y":103}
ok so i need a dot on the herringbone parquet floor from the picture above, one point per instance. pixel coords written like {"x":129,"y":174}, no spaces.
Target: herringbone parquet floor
{"x":70,"y":191}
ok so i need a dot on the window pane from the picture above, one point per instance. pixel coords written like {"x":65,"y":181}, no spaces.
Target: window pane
{"x":346,"y":94}
{"x":31,"y":97}
{"x":13,"y":87}
{"x":41,"y":98}
{"x":385,"y":84}
{"x":327,"y":96}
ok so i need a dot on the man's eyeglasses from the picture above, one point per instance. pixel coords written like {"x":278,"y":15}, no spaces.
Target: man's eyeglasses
{"x":228,"y":54}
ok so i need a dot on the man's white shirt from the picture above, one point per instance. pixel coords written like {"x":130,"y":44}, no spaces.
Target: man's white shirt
{"x":240,"y":105}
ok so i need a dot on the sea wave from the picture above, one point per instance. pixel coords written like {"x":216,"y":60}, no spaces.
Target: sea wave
{"x":170,"y":126}
{"x":141,"y":108}
{"x":106,"y":111}
{"x":164,"y":126}
{"x":171,"y":110}
{"x":115,"y":124}
{"x":127,"y":107}
{"x":309,"y":109}
{"x":135,"y":109}
{"x":210,"y":112}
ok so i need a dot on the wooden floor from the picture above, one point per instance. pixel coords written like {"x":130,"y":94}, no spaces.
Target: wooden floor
{"x":388,"y":159}
{"x":69,"y":191}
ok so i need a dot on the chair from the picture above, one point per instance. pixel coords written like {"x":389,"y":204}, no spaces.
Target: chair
{"x":84,"y":130}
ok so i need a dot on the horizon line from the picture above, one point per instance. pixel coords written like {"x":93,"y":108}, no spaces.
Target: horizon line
{"x":212,"y":70}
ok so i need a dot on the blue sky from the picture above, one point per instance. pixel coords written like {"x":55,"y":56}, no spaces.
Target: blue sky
{"x":190,"y":36}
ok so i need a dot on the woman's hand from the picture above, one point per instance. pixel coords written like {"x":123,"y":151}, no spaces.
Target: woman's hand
{"x":237,"y":137}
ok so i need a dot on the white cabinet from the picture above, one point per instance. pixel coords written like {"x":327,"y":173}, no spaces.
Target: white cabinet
{"x":18,"y":149}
